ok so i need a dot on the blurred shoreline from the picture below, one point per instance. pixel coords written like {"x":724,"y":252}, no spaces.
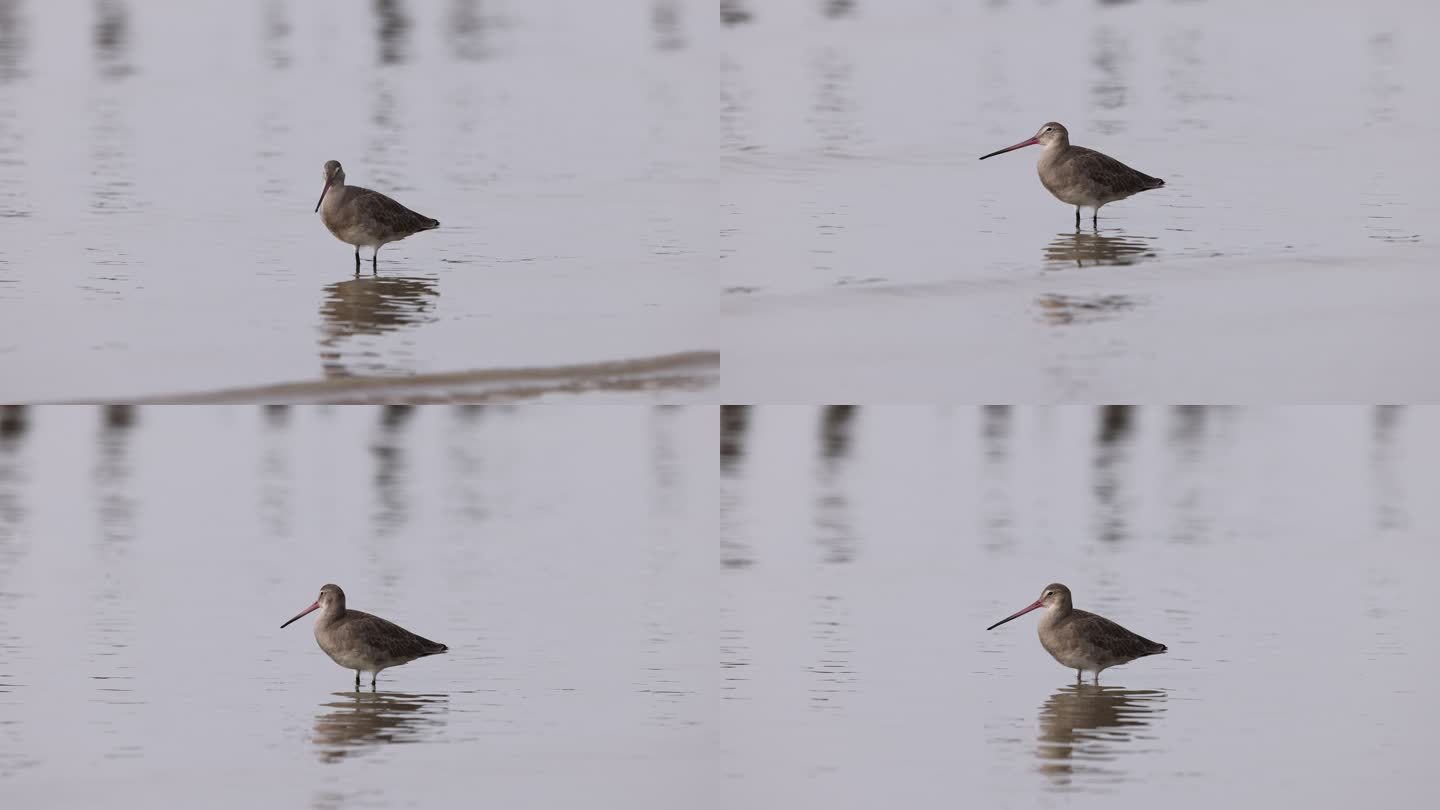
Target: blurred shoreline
{"x":668,"y":374}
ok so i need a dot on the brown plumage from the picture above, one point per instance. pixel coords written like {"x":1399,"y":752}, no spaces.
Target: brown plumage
{"x":1080,"y":640}
{"x":1080,"y":176}
{"x":358,"y":216}
{"x":362,"y":642}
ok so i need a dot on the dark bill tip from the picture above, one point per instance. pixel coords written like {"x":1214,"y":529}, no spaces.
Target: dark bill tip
{"x":301,"y":613}
{"x":323,"y":192}
{"x":1010,"y":148}
{"x":1036,"y":604}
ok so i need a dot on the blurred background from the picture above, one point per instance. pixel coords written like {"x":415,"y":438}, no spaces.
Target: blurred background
{"x":160,"y":162}
{"x":1287,"y":259}
{"x":148,"y":557}
{"x":1285,"y":556}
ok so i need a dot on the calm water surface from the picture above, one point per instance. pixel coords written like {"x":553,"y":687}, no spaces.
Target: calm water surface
{"x":160,"y":162}
{"x":1290,"y":256}
{"x":1285,"y":556}
{"x":148,"y":557}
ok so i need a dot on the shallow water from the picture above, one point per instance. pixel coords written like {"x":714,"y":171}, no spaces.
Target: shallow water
{"x":864,"y":242}
{"x":148,"y":557}
{"x":159,"y":163}
{"x":1283,"y":555}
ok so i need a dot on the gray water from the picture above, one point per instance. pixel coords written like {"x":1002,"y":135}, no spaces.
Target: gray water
{"x":1290,"y":257}
{"x":632,"y":624}
{"x":160,"y":163}
{"x":149,"y":556}
{"x":1285,"y":556}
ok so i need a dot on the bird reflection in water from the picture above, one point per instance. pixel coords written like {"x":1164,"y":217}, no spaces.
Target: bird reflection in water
{"x":1090,"y":249}
{"x":833,"y":522}
{"x":358,"y":721}
{"x":734,"y":432}
{"x":1093,"y":249}
{"x":665,"y":22}
{"x":1085,"y":729}
{"x":1063,"y":310}
{"x":370,"y":306}
{"x":392,"y":30}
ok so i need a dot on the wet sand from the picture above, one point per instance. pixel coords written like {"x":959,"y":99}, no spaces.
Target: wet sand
{"x":670,"y":378}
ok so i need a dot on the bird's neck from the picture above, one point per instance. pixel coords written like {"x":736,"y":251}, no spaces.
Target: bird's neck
{"x":332,"y":197}
{"x":1055,"y":613}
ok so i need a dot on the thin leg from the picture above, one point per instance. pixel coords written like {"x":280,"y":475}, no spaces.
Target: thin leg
{"x":357,"y":680}
{"x":1077,"y":218}
{"x":1095,"y":220}
{"x":1097,"y":677}
{"x":1077,"y":672}
{"x":357,"y":270}
{"x":375,"y":261}
{"x":373,"y":676}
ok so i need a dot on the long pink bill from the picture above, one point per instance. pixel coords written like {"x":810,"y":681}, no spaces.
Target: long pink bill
{"x":1027,"y":142}
{"x":317,"y":604}
{"x":991,"y":627}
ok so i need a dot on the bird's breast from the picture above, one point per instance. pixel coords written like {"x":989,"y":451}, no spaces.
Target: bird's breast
{"x":342,"y":220}
{"x":346,"y":655}
{"x":1064,"y":185}
{"x":1062,"y":647}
